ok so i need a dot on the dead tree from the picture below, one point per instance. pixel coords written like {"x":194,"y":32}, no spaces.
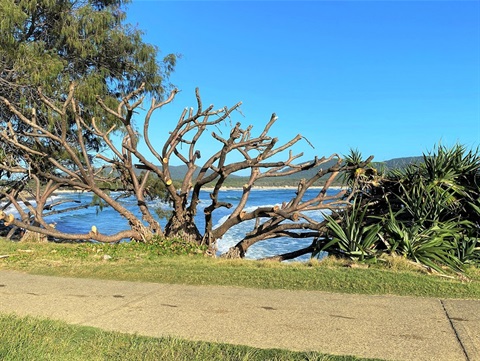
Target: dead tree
{"x":257,"y":154}
{"x":290,"y":220}
{"x":37,"y":158}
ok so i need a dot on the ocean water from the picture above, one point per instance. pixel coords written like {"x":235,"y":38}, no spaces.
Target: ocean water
{"x":108,"y":221}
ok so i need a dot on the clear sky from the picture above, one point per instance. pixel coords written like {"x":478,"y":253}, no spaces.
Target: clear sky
{"x":391,"y":78}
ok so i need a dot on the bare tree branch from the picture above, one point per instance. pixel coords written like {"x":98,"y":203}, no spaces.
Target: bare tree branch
{"x":57,"y":155}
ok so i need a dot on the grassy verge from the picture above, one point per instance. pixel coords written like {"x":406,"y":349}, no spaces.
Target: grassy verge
{"x":140,"y":262}
{"x":33,"y":339}
{"x":36,"y":339}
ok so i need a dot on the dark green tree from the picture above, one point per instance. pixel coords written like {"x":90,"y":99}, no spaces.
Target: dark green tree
{"x":48,"y":45}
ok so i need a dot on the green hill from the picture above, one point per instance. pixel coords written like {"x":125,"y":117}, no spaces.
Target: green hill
{"x":398,"y":162}
{"x":178,"y":173}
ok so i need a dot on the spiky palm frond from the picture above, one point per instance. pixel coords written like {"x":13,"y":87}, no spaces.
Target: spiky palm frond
{"x":352,"y":237}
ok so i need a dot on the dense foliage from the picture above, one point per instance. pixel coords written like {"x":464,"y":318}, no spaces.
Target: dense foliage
{"x":428,"y":212}
{"x":52,"y":43}
{"x":47,"y":45}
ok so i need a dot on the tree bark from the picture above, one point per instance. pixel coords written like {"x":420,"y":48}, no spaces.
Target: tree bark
{"x":182,"y":225}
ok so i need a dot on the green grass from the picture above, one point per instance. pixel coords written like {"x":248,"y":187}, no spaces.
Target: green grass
{"x":27,"y":338}
{"x":36,"y":339}
{"x":148,"y":263}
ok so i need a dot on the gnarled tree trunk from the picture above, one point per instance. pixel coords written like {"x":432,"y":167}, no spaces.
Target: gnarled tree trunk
{"x":238,"y":151}
{"x":182,"y":225}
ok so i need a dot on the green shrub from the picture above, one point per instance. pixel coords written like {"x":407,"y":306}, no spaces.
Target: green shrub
{"x":428,"y":212}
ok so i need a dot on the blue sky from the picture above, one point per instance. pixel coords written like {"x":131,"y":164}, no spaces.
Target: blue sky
{"x":391,"y":78}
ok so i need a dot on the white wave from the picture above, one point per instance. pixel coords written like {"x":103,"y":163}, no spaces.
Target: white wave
{"x":264,"y":248}
{"x":108,"y":221}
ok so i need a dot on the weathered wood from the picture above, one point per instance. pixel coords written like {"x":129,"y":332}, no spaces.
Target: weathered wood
{"x":239,"y":150}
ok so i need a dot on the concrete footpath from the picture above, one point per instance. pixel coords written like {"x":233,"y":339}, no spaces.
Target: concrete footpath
{"x":385,"y":327}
